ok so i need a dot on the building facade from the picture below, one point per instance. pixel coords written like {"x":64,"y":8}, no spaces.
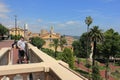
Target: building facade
{"x":16,"y":31}
{"x":48,"y":36}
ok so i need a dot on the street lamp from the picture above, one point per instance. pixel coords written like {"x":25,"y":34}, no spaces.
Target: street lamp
{"x":15,"y":25}
{"x":25,"y":29}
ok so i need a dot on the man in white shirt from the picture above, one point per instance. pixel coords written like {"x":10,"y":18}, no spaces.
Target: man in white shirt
{"x":21,"y":49}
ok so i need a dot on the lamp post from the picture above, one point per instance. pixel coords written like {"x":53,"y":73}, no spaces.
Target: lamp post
{"x":25,"y":29}
{"x":15,"y":25}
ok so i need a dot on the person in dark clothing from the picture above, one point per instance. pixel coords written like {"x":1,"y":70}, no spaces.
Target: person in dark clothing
{"x":14,"y":44}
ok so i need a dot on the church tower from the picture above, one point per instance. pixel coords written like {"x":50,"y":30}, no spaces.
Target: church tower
{"x":51,"y":30}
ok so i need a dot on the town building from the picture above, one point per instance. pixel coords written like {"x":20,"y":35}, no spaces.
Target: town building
{"x":46,"y":35}
{"x":16,"y":31}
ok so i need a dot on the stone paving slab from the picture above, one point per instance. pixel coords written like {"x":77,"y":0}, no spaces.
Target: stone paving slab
{"x":6,"y":43}
{"x":14,"y":51}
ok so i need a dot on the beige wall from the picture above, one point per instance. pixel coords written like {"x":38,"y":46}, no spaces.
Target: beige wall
{"x":17,"y":31}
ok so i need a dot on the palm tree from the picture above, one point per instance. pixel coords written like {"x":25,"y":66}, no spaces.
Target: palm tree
{"x":55,"y":44}
{"x":62,"y":42}
{"x":88,"y":21}
{"x":95,"y":36}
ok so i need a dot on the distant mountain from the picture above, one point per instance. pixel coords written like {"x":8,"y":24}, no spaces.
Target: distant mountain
{"x":75,"y":37}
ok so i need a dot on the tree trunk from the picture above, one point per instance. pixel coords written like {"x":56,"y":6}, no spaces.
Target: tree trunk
{"x":107,"y":69}
{"x":62,"y":48}
{"x":114,"y":60}
{"x":2,"y":36}
{"x":93,"y":61}
{"x":94,"y":53}
{"x":55,"y":52}
{"x":91,"y":54}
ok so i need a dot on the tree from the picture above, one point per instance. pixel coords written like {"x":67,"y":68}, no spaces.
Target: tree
{"x":79,"y":46}
{"x":114,"y":42}
{"x":36,"y":41}
{"x":16,"y":37}
{"x":96,"y":73}
{"x":68,"y":57}
{"x":62,"y":42}
{"x":110,"y":47}
{"x":50,"y":52}
{"x":55,"y":44}
{"x":3,"y":31}
{"x":76,"y":48}
{"x":88,"y":21}
{"x":83,"y":43}
{"x":95,"y":36}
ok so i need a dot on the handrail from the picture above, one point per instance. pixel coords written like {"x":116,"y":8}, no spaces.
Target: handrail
{"x":62,"y":72}
{"x":3,"y":51}
{"x":59,"y":70}
{"x":23,"y":68}
{"x":44,"y":57}
{"x":73,"y":71}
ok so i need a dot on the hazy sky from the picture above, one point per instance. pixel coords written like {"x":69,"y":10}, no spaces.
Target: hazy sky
{"x":66,"y":16}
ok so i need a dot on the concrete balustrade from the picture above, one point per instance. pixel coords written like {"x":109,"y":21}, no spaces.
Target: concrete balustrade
{"x":22,"y":68}
{"x":4,"y":56}
{"x":59,"y":69}
{"x":41,"y":67}
{"x":33,"y":57}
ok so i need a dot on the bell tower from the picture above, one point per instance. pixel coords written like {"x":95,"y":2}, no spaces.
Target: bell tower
{"x":51,"y":30}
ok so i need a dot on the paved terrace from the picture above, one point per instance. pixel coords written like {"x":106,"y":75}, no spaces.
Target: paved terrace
{"x":6,"y":43}
{"x":41,"y":66}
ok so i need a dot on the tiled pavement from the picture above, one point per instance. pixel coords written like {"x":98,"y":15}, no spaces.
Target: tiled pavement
{"x":14,"y":51}
{"x":6,"y":43}
{"x":14,"y":55}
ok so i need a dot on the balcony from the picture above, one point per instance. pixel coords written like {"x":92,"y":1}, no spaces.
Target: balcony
{"x":40,"y":67}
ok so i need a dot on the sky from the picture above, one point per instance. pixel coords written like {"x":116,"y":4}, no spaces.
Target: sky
{"x":66,"y":16}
